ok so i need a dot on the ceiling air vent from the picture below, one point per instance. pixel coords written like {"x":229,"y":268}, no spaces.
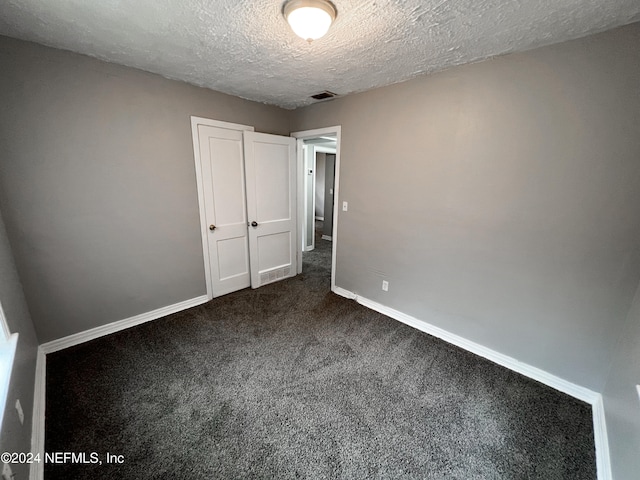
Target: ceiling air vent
{"x":324,"y":95}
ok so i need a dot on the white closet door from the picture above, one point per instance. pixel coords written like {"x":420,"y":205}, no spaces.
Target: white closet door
{"x":270,"y":162}
{"x":222,"y":161}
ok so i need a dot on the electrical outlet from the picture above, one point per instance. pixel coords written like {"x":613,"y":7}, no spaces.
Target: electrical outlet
{"x":385,"y":285}
{"x":20,"y":412}
{"x":345,"y":206}
{"x":7,"y":474}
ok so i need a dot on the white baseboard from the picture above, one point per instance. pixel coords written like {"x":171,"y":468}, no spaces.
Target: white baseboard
{"x":603,"y":461}
{"x":39,"y":396}
{"x":319,"y":218}
{"x":576,"y":391}
{"x":344,"y":293}
{"x":326,"y":237}
{"x":101,"y":331}
{"x":36,"y":471}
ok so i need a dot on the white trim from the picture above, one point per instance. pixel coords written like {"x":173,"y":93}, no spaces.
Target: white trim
{"x":303,"y":196}
{"x":7,"y":356}
{"x":8,"y":345}
{"x":220,"y":124}
{"x":535,"y":373}
{"x":301,"y":230}
{"x":6,"y":333}
{"x":314,"y":159}
{"x":319,"y":218}
{"x":581,"y":393}
{"x":195,"y":121}
{"x":603,"y":460}
{"x":309,"y":152}
{"x":595,"y":399}
{"x":326,"y":237}
{"x":101,"y":331}
{"x":39,"y":395}
{"x":318,"y":132}
{"x":36,"y":471}
{"x":344,"y":293}
{"x":323,"y":149}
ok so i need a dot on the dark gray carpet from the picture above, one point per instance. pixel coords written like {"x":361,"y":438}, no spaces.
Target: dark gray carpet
{"x":292,"y":381}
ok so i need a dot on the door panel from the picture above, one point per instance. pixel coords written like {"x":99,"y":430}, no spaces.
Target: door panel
{"x":232,"y":257}
{"x":221,"y":154}
{"x":274,"y":251}
{"x":270,"y":164}
{"x":227,"y":177}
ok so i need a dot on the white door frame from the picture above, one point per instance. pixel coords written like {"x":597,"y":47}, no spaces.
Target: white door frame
{"x":204,"y":232}
{"x":321,"y":149}
{"x":315,"y":150}
{"x":312,"y":150}
{"x":8,"y":343}
{"x":307,"y":159}
{"x":301,"y":136}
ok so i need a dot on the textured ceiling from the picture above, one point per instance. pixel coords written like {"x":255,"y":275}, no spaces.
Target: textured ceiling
{"x":245,"y":47}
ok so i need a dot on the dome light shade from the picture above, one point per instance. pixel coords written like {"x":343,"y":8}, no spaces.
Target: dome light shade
{"x":309,"y":19}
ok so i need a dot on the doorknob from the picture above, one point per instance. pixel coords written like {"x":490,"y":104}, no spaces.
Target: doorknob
{"x":254,"y":224}
{"x":212,"y":227}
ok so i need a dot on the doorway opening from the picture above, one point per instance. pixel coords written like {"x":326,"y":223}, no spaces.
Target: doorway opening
{"x":318,"y":154}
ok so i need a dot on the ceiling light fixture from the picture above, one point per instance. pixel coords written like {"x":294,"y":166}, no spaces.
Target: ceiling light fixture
{"x":309,"y":19}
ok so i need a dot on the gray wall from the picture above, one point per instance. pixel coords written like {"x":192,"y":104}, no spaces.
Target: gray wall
{"x":330,"y":168}
{"x":503,"y":204}
{"x":512,"y":186}
{"x":16,"y":437}
{"x":320,"y":171}
{"x":622,"y":405}
{"x":97,"y":184}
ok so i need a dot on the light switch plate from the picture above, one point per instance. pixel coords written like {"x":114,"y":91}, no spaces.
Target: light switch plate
{"x":345,"y":206}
